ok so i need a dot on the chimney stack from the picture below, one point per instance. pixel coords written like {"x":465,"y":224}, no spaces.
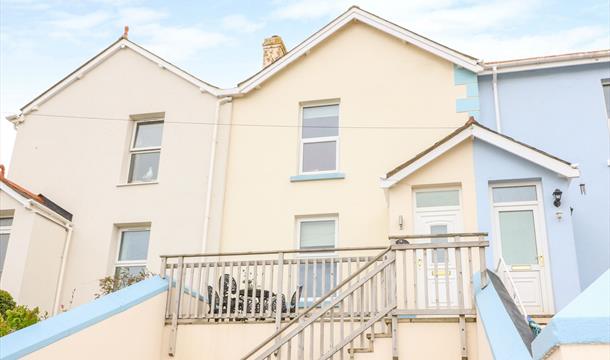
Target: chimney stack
{"x":273,"y":49}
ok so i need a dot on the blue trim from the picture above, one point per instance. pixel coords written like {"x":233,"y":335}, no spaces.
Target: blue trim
{"x":37,"y":336}
{"x":467,"y":104}
{"x":311,"y":177}
{"x":586,"y":320}
{"x":462,"y":76}
{"x":502,"y":335}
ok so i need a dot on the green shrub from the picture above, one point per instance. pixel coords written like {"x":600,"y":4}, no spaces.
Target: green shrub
{"x":6,"y":302}
{"x":18,"y":318}
{"x":124,"y":278}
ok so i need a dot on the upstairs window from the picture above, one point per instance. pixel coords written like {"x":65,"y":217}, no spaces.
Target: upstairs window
{"x":145,"y":151}
{"x":319,"y":139}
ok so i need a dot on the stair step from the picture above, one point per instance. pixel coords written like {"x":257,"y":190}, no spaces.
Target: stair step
{"x":360,"y":350}
{"x":379,"y":335}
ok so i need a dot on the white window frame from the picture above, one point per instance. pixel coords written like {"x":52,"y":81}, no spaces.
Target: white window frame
{"x":143,"y":150}
{"x":302,"y":219}
{"x":537,"y":186}
{"x":322,"y":139}
{"x":6,"y":230}
{"x":130,"y":263}
{"x":425,"y":209}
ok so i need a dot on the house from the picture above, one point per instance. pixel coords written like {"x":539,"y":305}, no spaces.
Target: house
{"x":561,"y":104}
{"x":35,"y":233}
{"x":336,"y":202}
{"x":124,"y":120}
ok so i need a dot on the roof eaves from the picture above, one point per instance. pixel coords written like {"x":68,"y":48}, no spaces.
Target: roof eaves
{"x":357,"y":14}
{"x":101,"y":57}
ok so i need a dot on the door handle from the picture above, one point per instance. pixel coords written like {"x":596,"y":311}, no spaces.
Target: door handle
{"x":419,"y":263}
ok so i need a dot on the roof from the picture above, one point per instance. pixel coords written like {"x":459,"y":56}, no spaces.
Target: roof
{"x":473,"y":129}
{"x":17,"y":191}
{"x":354,"y":13}
{"x":120,"y":44}
{"x":550,"y":61}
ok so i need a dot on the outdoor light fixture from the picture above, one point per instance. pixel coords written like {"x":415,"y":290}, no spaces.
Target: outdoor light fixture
{"x":557,"y":196}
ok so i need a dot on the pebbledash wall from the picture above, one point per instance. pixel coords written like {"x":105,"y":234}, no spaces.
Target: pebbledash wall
{"x":561,"y":111}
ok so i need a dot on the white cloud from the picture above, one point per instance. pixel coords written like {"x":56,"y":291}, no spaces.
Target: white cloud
{"x":239,"y":22}
{"x":79,"y":22}
{"x":140,"y":15}
{"x":179,"y":43}
{"x":489,"y":29}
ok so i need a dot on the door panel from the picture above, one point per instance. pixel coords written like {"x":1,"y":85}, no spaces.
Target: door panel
{"x":437,"y":270}
{"x":521,"y":241}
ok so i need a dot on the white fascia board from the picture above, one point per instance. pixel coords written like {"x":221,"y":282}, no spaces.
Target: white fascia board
{"x":371,"y":20}
{"x":15,"y":195}
{"x":100,"y":58}
{"x":508,"y":68}
{"x":429,"y":157}
{"x":525,"y":152}
{"x":419,"y":41}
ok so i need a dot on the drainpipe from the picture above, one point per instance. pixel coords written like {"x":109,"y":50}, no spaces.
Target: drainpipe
{"x":62,"y":270}
{"x":208,"y":196}
{"x":496,"y":102}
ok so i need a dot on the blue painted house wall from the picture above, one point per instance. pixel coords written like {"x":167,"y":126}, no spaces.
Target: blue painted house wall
{"x":494,"y":165}
{"x":562,"y":111}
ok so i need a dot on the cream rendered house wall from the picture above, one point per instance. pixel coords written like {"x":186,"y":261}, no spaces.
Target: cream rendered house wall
{"x":32,"y":265}
{"x":454,"y":168}
{"x":379,"y":81}
{"x":79,"y":157}
{"x":416,"y":341}
{"x":132,"y":334}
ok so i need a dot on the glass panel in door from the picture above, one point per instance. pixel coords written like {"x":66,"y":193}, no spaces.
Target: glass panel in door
{"x":518,"y":234}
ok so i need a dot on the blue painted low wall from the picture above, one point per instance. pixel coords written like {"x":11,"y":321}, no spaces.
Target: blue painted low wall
{"x":502,"y":335}
{"x":586,"y":320}
{"x":37,"y":336}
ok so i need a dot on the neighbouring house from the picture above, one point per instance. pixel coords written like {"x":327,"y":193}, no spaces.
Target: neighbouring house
{"x":345,"y":199}
{"x":561,"y":104}
{"x":35,"y":234}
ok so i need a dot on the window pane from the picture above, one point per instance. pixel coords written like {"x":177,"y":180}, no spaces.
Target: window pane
{"x":3,"y":249}
{"x":134,"y":245}
{"x":440,"y":253}
{"x":321,"y":156}
{"x":320,"y":121}
{"x":7,"y":221}
{"x":316,"y":279}
{"x":514,"y":193}
{"x":518,"y":236}
{"x":317,"y":234}
{"x":148,"y":134}
{"x":606,"y":88}
{"x":437,"y":198}
{"x":144,"y":167}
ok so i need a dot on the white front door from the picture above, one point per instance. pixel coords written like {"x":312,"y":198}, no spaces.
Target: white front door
{"x":520,"y":239}
{"x":437,"y":212}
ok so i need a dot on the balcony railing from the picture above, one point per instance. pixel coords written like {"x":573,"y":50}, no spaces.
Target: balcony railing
{"x":426,"y":278}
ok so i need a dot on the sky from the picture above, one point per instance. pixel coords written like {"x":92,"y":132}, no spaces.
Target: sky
{"x":220,"y":41}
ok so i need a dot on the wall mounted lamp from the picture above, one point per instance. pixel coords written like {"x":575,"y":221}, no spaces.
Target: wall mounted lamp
{"x":557,"y":197}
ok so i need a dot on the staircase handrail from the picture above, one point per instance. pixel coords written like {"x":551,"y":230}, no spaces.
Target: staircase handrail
{"x":317,"y":303}
{"x":516,"y":297}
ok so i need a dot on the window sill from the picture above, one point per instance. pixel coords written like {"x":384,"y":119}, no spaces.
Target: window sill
{"x":313,"y":177}
{"x":137,"y":183}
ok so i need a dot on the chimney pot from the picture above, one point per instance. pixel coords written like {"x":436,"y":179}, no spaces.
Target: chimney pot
{"x":273,"y":49}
